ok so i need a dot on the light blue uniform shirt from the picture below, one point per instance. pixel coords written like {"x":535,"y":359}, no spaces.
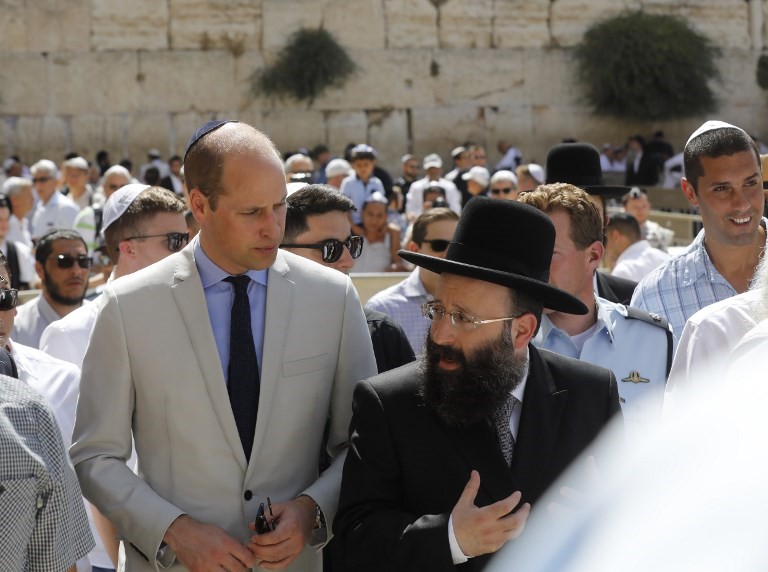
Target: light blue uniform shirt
{"x":220,"y":295}
{"x":627,"y":347}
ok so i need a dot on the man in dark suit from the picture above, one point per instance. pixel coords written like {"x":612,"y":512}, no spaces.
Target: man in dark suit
{"x":579,"y":165}
{"x":449,"y":453}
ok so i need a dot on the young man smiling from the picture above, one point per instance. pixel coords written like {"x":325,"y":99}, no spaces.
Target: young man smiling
{"x":723,"y":179}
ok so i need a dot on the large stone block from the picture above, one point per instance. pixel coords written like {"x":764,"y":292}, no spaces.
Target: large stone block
{"x":356,"y":23}
{"x":176,"y":81}
{"x":521,"y":24}
{"x":135,"y":25}
{"x":27,"y":139}
{"x":88,"y":134}
{"x":466,"y":24}
{"x":551,"y":77}
{"x":148,"y":130}
{"x":388,"y":134}
{"x":291,"y":129}
{"x":244,"y":68}
{"x":13,"y":26}
{"x":280,"y":18}
{"x":233,"y":25}
{"x":410,"y":24}
{"x":343,"y":127}
{"x":82,"y":83}
{"x":440,"y":129}
{"x":183,"y":126}
{"x":724,"y":22}
{"x":386,"y":78}
{"x":571,"y":18}
{"x":58,"y":25}
{"x":55,"y":139}
{"x":22,"y":84}
{"x":512,"y":123}
{"x":485,"y":77}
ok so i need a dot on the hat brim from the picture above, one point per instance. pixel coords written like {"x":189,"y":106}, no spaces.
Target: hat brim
{"x":550,"y":296}
{"x":608,"y":192}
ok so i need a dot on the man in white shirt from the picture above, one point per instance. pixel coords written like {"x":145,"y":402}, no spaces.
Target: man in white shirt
{"x":53,"y":210}
{"x":76,"y":176}
{"x":133,"y":210}
{"x":63,"y":265}
{"x":22,"y":199}
{"x":433,"y":166}
{"x":636,"y":203}
{"x":634,"y":257}
{"x":19,"y":255}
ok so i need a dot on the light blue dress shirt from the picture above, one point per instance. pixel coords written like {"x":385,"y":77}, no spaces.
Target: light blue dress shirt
{"x":220,"y":295}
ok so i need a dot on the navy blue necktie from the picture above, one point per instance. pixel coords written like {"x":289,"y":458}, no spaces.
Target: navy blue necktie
{"x":243,"y":369}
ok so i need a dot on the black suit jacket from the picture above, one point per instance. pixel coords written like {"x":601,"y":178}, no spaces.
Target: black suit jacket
{"x":614,"y":288}
{"x":406,"y":469}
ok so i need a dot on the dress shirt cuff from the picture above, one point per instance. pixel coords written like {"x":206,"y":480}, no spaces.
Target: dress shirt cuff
{"x":458,"y":556}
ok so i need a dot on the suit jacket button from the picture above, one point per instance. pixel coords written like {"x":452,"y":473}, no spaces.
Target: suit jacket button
{"x":248,"y":495}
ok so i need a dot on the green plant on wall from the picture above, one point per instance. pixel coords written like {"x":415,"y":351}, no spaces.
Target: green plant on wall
{"x":647,"y":67}
{"x":311,"y":62}
{"x":762,"y":71}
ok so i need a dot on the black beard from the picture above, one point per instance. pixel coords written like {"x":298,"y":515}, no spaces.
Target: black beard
{"x":478,"y":387}
{"x":55,"y":293}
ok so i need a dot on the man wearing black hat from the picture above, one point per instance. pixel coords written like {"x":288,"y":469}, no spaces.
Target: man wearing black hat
{"x":579,"y":164}
{"x":444,"y":450}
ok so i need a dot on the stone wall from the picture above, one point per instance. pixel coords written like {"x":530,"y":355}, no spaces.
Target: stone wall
{"x":126,"y":76}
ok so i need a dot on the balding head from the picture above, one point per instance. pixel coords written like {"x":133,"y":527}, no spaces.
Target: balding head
{"x":204,"y":163}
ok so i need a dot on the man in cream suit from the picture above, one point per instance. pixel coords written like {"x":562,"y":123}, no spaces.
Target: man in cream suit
{"x":216,"y":436}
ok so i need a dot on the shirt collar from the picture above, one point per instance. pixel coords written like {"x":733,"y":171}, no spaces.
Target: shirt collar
{"x":211,"y":274}
{"x":603,"y":321}
{"x":413,"y":287}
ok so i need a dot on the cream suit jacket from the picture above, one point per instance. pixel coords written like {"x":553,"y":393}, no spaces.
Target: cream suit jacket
{"x":152,"y":369}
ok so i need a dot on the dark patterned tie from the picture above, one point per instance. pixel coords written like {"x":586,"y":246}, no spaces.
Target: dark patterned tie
{"x":243,"y":369}
{"x":501,"y":420}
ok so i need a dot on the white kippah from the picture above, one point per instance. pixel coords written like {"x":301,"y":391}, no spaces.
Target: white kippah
{"x":119,"y":201}
{"x":710,"y":125}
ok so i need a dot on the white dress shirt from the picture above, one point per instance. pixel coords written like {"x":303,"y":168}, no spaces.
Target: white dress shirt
{"x":637,"y":261}
{"x":18,"y":230}
{"x":31,"y":320}
{"x":59,"y":212}
{"x":67,"y":338}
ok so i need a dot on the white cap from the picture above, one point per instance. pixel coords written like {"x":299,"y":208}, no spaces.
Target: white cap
{"x":154,"y":152}
{"x":479,"y":175}
{"x":77,"y":163}
{"x":537,"y":172}
{"x":433,"y":160}
{"x":504,"y":175}
{"x":336,"y":167}
{"x":119,"y":201}
{"x":8,"y":163}
{"x":710,"y":125}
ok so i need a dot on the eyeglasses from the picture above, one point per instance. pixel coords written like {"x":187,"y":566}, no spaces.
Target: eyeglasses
{"x":437,"y":244}
{"x":505,"y":190}
{"x":435,"y":312}
{"x":8,"y":299}
{"x":176,"y":240}
{"x":68,"y":261}
{"x":333,"y":249}
{"x":41,"y":179}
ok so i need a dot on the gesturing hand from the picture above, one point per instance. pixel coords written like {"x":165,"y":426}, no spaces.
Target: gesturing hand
{"x":202,"y":547}
{"x":485,"y":530}
{"x":294,"y":521}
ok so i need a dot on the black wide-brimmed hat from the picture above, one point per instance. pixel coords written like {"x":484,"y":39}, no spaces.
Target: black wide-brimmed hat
{"x":579,"y":164}
{"x":507,"y":243}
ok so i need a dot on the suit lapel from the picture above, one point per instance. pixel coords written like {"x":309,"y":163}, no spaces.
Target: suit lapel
{"x":280,"y":292}
{"x":543,"y":406}
{"x":190,"y":300}
{"x":479,"y":447}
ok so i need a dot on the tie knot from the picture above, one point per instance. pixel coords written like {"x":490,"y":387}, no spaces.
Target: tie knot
{"x":239,"y":282}
{"x":504,"y":412}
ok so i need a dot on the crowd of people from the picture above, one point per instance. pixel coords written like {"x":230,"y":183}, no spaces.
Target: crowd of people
{"x":227,"y":401}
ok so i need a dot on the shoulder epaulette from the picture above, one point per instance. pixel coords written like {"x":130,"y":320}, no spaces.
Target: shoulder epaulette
{"x":656,"y":320}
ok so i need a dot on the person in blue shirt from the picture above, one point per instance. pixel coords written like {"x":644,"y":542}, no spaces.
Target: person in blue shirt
{"x":635,"y":345}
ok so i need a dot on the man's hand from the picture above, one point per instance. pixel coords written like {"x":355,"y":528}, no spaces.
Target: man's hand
{"x":294,"y":521}
{"x":203,"y":547}
{"x":485,"y":530}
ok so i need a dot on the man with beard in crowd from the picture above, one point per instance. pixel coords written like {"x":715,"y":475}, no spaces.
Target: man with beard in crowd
{"x":448,"y":454}
{"x":63,"y":265}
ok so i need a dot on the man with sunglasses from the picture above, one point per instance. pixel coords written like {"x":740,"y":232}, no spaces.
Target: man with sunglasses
{"x":53,"y":209}
{"x":431,"y":233}
{"x":503,"y":186}
{"x":317,"y":227}
{"x":63,"y":265}
{"x":448,"y":454}
{"x":223,"y":363}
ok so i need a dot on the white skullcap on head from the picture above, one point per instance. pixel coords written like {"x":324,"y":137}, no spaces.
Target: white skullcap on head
{"x":710,"y":125}
{"x":119,"y":201}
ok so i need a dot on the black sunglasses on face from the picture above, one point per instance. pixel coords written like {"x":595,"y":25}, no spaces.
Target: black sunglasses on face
{"x":333,"y":249}
{"x":68,"y":261}
{"x":505,"y":190}
{"x":176,"y":240}
{"x":437,"y":244}
{"x":8,"y":299}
